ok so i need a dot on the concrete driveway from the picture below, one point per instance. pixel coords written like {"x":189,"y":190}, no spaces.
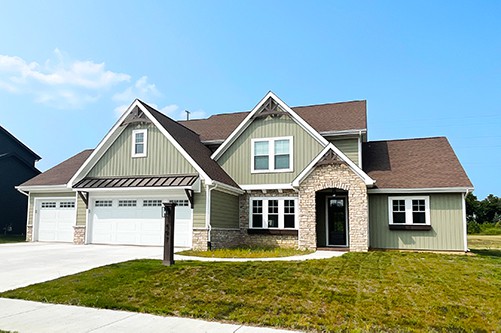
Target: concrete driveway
{"x":23,"y":264}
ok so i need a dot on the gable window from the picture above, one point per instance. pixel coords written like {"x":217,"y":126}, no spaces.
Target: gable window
{"x":409,"y":211}
{"x":139,"y":142}
{"x":272,"y":155}
{"x":273,"y":213}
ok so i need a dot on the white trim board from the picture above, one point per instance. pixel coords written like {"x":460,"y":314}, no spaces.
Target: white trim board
{"x":419,"y":190}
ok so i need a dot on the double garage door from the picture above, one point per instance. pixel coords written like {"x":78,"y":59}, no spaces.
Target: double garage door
{"x":129,"y":221}
{"x":137,"y":222}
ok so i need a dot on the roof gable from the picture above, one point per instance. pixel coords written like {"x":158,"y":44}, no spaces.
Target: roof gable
{"x":183,"y":139}
{"x":270,"y":105}
{"x":8,"y":136}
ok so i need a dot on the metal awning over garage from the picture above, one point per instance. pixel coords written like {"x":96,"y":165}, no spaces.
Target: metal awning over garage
{"x":182,"y":181}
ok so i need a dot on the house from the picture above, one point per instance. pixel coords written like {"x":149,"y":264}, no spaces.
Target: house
{"x":303,"y":177}
{"x":17,"y":165}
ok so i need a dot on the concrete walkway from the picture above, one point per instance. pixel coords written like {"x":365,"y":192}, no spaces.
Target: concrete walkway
{"x":314,"y":255}
{"x":27,"y":317}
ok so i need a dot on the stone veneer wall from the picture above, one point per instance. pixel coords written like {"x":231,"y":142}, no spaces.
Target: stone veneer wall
{"x":200,"y":237}
{"x":79,"y":234}
{"x":263,"y":240}
{"x":225,"y":238}
{"x":29,"y":233}
{"x":340,"y":176}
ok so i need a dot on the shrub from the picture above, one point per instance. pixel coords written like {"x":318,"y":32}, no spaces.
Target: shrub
{"x":473,"y":228}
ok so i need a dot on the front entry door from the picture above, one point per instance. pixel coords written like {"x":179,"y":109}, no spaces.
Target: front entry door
{"x":337,"y":230}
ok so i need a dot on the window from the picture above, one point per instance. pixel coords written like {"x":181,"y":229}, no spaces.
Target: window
{"x":67,"y":204}
{"x":127,"y":203}
{"x":103,"y":203}
{"x":409,"y":210}
{"x":139,"y":142}
{"x":184,"y":203}
{"x":272,"y":155}
{"x":152,"y":203}
{"x":273,"y":213}
{"x":49,"y":204}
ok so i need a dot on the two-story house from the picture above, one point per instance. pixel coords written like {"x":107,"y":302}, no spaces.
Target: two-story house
{"x":17,"y":165}
{"x":303,"y":177}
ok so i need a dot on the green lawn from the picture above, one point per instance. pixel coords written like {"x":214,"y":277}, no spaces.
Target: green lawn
{"x":11,"y":239}
{"x":250,"y":252}
{"x":363,"y":292}
{"x":484,"y":242}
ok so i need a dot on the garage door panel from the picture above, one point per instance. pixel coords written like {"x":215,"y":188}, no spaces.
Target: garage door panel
{"x":138,"y":225}
{"x":56,"y":218}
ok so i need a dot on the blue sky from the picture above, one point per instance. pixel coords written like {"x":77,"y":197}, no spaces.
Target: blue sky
{"x":426,"y":68}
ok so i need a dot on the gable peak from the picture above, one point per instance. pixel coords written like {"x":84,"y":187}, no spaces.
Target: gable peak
{"x":269,"y":108}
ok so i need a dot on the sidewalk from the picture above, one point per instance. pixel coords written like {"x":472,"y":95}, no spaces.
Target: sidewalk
{"x":315,"y":255}
{"x":26,"y":317}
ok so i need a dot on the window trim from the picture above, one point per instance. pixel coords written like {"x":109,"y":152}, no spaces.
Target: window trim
{"x":271,"y":154}
{"x":408,"y":211}
{"x":281,"y":212}
{"x":145,"y":142}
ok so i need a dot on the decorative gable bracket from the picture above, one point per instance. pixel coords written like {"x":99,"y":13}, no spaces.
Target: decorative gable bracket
{"x":330,"y":158}
{"x":270,"y":108}
{"x":136,"y":116}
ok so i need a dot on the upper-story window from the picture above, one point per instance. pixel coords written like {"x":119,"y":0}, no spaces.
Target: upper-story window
{"x":272,"y":154}
{"x":139,"y":142}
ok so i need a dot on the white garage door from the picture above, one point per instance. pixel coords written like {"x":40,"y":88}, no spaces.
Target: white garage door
{"x":56,"y":219}
{"x":138,"y":222}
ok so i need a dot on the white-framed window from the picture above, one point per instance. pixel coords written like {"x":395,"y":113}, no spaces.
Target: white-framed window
{"x":139,"y":142}
{"x":273,"y":213}
{"x":185,"y":203}
{"x":272,"y":154}
{"x":103,"y":203}
{"x":127,"y":203}
{"x":409,"y":210}
{"x":67,"y":204}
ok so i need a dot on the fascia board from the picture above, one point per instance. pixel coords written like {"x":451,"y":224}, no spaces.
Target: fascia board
{"x":420,"y":190}
{"x":44,"y":188}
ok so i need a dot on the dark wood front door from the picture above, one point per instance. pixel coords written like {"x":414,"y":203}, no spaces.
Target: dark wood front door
{"x":337,"y":231}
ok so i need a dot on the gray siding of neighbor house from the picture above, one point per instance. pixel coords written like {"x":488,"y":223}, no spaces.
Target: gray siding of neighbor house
{"x":162,"y":157}
{"x":199,"y":208}
{"x":81,"y":212}
{"x":224,"y":210}
{"x":446,"y":217}
{"x":349,"y":147}
{"x":34,"y":196}
{"x":236,"y":161}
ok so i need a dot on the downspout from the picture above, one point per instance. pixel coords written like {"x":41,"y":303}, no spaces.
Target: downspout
{"x":208,"y":190}
{"x":465,"y":225}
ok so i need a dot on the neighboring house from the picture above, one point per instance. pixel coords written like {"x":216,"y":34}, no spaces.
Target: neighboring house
{"x":301,"y":177}
{"x":17,"y":165}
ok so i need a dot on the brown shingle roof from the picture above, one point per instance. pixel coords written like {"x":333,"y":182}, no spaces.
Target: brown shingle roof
{"x":190,"y":141}
{"x":323,"y":118}
{"x":61,"y":173}
{"x":414,"y":163}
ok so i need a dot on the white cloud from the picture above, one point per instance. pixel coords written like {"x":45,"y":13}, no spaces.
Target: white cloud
{"x":62,"y":83}
{"x":141,"y":89}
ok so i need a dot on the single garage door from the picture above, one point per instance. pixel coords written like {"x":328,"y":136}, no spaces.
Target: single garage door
{"x":138,"y":222}
{"x":56,"y":219}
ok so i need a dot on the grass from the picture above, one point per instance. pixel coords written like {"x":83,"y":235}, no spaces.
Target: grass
{"x":12,"y":238}
{"x":488,"y":242}
{"x":361,"y":292}
{"x":249,"y":252}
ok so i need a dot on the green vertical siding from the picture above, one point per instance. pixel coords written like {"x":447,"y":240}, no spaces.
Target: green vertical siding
{"x":224,"y":210}
{"x":162,"y":157}
{"x":199,"y":208}
{"x":81,"y":212}
{"x":446,"y":217}
{"x":236,"y":161}
{"x":34,"y":196}
{"x":349,"y":147}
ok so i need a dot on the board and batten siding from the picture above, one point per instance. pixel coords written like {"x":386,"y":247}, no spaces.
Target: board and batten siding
{"x":224,"y":210}
{"x":236,"y":160}
{"x":199,"y":207}
{"x":34,"y":196}
{"x":446,"y":218}
{"x":349,"y":147}
{"x":162,"y":157}
{"x":81,"y":212}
